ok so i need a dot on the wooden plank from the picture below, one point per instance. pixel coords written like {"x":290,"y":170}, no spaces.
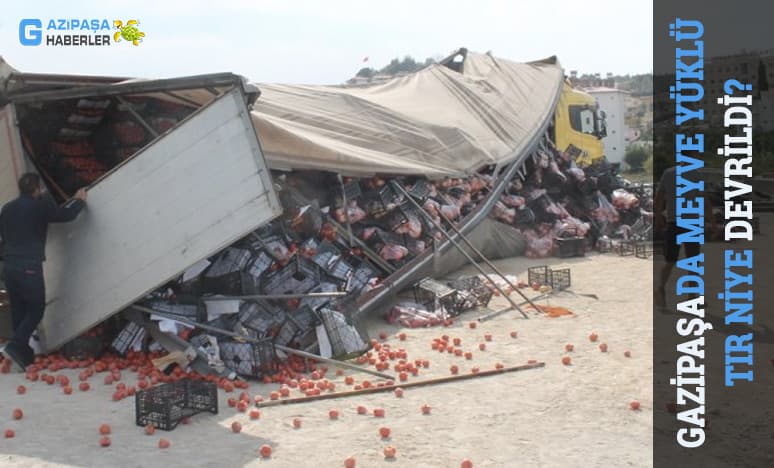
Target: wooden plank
{"x":405,"y":385}
{"x":196,"y":190}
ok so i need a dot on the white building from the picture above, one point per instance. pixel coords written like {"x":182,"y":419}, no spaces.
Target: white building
{"x":612,"y":102}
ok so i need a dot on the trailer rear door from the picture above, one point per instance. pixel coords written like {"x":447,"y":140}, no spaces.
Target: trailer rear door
{"x":189,"y":194}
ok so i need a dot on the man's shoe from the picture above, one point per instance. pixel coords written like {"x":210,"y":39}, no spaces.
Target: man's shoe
{"x":17,"y":362}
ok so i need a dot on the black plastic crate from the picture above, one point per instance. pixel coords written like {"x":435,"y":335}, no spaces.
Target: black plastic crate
{"x":299,"y":276}
{"x":388,"y":196}
{"x":625,"y":248}
{"x":545,"y":276}
{"x":643,"y":249}
{"x":560,"y":279}
{"x":259,"y":266}
{"x":250,"y":359}
{"x":128,"y":335}
{"x":420,"y":190}
{"x":361,"y":275}
{"x":84,"y":347}
{"x":343,"y":335}
{"x":299,"y":327}
{"x":571,"y":247}
{"x":260,"y":318}
{"x":470,"y":293}
{"x":317,"y":302}
{"x":540,"y":275}
{"x":434,"y":295}
{"x":166,"y":405}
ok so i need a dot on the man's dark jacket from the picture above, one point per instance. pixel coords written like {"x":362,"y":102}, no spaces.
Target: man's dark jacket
{"x":24,"y":227}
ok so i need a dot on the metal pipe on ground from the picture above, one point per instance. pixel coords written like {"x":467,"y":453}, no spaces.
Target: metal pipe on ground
{"x":248,"y":339}
{"x":421,"y":383}
{"x":457,"y":246}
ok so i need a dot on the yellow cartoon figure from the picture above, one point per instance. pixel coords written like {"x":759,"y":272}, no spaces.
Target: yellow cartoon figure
{"x":128,"y":32}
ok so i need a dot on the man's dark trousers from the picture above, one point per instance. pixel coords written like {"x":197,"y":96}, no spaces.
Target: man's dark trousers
{"x":27,"y":293}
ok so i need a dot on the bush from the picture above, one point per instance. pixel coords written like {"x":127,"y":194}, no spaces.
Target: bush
{"x":635,"y":157}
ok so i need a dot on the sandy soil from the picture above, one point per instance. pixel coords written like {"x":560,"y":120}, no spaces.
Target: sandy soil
{"x":568,"y":416}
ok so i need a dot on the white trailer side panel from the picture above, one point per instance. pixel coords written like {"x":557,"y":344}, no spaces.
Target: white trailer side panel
{"x":194,"y":191}
{"x":11,"y":160}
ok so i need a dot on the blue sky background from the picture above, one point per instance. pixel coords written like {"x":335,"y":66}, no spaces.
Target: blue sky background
{"x":304,"y":41}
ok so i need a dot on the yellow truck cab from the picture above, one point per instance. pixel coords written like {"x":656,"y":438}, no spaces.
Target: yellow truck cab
{"x":579,"y":126}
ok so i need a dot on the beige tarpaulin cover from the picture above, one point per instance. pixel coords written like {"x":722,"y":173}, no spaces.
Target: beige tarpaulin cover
{"x":435,"y":122}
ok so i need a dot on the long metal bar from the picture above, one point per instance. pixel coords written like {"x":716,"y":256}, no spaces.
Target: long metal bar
{"x":271,"y":297}
{"x":486,"y":260}
{"x":138,"y":117}
{"x":420,"y":383}
{"x":254,"y":340}
{"x":458,"y":246}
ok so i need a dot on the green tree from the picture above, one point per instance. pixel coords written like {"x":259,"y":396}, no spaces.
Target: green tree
{"x":635,"y":157}
{"x":366,"y":72}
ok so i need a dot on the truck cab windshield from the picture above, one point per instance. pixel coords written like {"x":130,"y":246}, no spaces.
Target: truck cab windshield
{"x":588,"y":120}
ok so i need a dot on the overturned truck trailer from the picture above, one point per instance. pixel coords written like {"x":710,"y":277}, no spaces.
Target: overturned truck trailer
{"x":196,"y":182}
{"x":199,"y":183}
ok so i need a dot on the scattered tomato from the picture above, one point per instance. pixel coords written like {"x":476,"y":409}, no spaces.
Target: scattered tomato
{"x":627,"y":353}
{"x":399,"y":392}
{"x":297,"y":423}
{"x":514,"y":334}
{"x":569,"y":347}
{"x":17,"y":414}
{"x":236,"y":427}
{"x":384,"y":432}
{"x":389,"y":451}
{"x":333,"y":414}
{"x":402,"y":337}
{"x":150,"y":429}
{"x":68,"y":390}
{"x":104,"y":429}
{"x":105,"y":441}
{"x":593,"y":337}
{"x":454,"y":369}
{"x":378,"y":412}
{"x":466,"y":464}
{"x":255,"y":414}
{"x":265,"y":451}
{"x":164,"y":443}
{"x":634,"y":405}
{"x":603,"y":347}
{"x":425,"y":409}
{"x":482,"y":346}
{"x":83,"y":386}
{"x":361,"y":410}
{"x":472,"y":325}
{"x":566,"y":360}
{"x":349,"y":462}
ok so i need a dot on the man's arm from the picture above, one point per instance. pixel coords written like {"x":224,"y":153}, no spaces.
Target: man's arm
{"x":69,"y":211}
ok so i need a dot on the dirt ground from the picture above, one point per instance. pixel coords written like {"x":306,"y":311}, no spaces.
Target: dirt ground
{"x":556,"y":416}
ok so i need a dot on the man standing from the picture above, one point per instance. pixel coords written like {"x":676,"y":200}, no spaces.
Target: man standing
{"x":23,"y":229}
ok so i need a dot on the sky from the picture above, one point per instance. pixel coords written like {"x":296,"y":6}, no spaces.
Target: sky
{"x":325,"y":42}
